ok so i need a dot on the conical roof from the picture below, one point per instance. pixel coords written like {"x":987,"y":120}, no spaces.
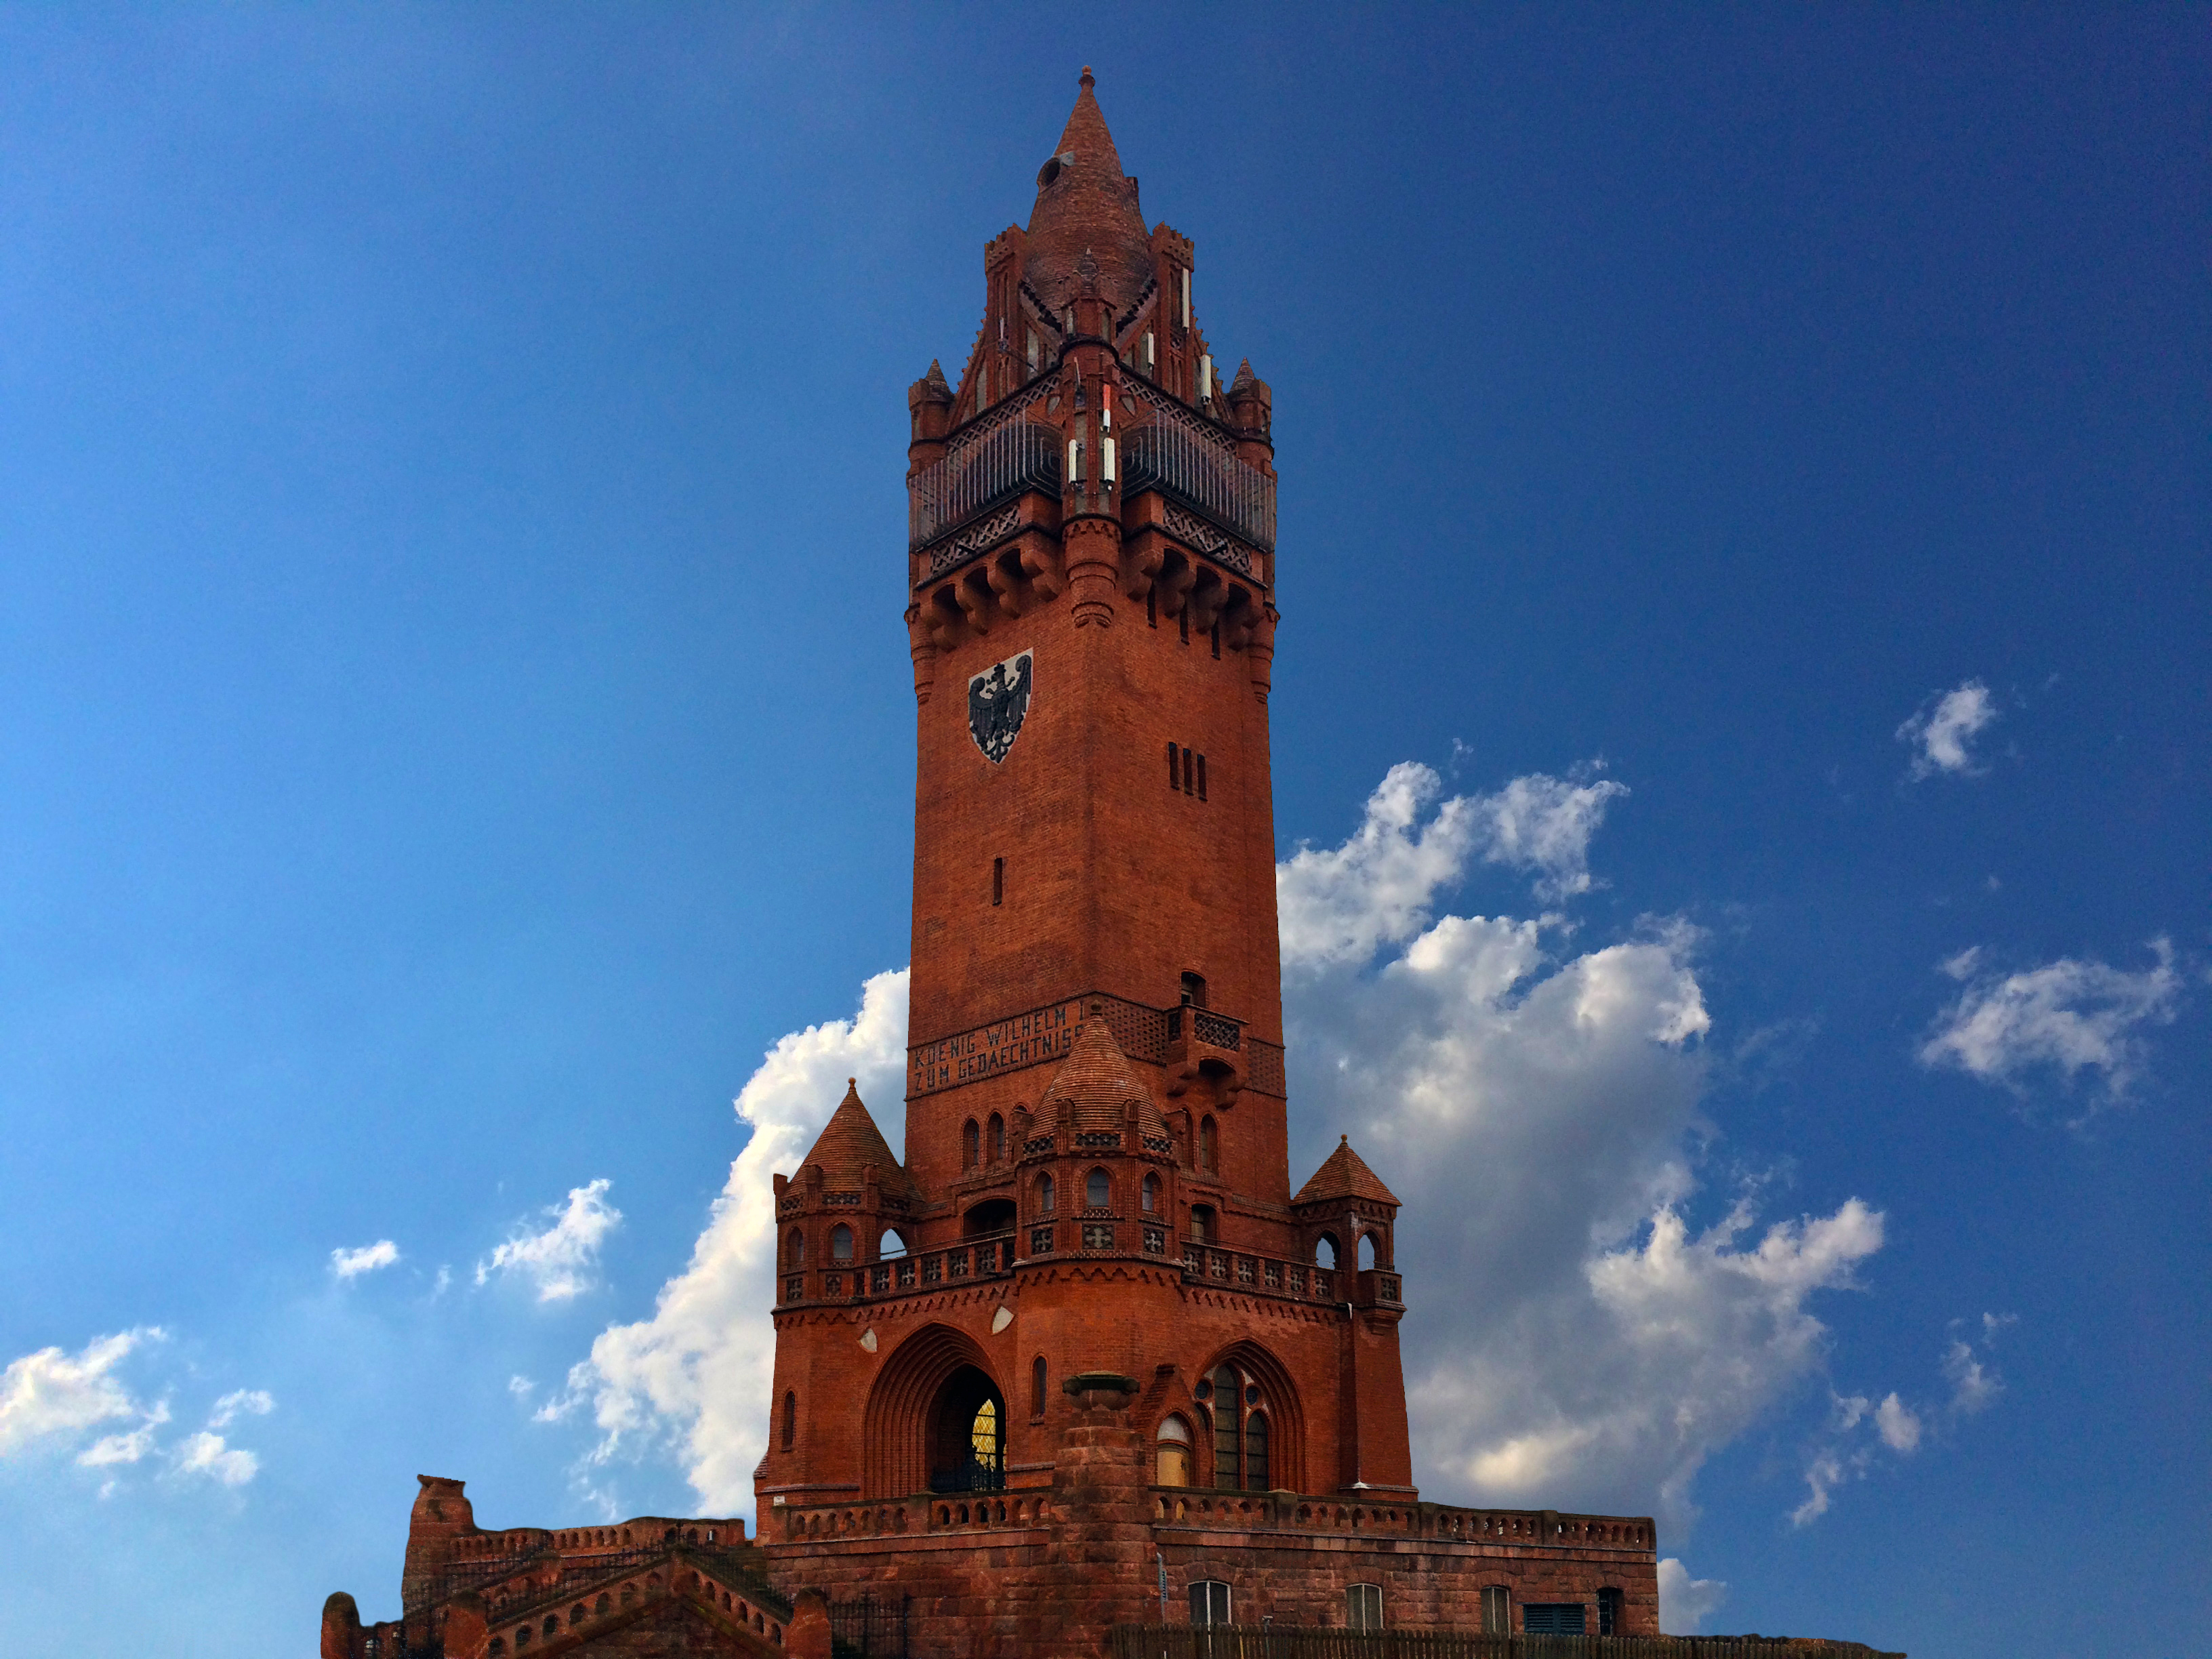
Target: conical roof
{"x":1086,"y":204}
{"x":850,"y":1143}
{"x":1094,"y":1084}
{"x":1344,"y":1175}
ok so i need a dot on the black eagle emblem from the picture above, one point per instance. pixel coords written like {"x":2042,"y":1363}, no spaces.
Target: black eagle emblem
{"x":997,"y":699}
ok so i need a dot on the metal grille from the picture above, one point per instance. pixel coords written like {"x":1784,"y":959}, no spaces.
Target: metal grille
{"x":868,"y":1629}
{"x":995,"y":465}
{"x":1189,"y":462}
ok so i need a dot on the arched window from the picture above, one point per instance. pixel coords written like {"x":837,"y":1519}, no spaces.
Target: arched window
{"x":1044,"y":1194}
{"x":794,"y":1250}
{"x":1209,"y":1602}
{"x":1151,"y":1194}
{"x":841,"y":1243}
{"x":1036,"y":1387}
{"x":1255,"y":1452}
{"x":1325,"y":1251}
{"x":1363,"y":1607}
{"x":1228,"y":1442}
{"x":970,"y":1140}
{"x":890,"y":1244}
{"x":1209,"y":1146}
{"x":790,"y":1417}
{"x":1171,"y":1453}
{"x":1097,"y":1191}
{"x":998,"y":1138}
{"x":1366,"y":1251}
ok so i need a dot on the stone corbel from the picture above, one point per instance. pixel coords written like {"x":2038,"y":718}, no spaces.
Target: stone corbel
{"x":1206,"y":599}
{"x":973,"y":591}
{"x":1003,"y":573}
{"x":942,"y":616}
{"x":1238,"y":614}
{"x":1040,"y":563}
{"x":1140,"y":564}
{"x":921,"y":645}
{"x":1174,"y":581}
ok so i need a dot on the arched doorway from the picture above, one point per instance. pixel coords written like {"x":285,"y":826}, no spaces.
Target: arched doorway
{"x":967,"y":1434}
{"x":921,"y":1421}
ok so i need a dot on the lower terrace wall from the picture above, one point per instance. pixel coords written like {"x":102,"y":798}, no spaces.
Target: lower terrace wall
{"x":1018,"y":1575}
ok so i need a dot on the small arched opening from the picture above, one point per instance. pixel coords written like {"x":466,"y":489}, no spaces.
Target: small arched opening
{"x":1366,"y":1252}
{"x":1171,"y":1452}
{"x":993,"y":1215}
{"x":968,"y":1446}
{"x":1152,"y":1195}
{"x":995,"y":1138}
{"x":1044,"y":1194}
{"x":794,"y":1250}
{"x":1097,"y":1191}
{"x":1325,"y":1251}
{"x":841,"y":1243}
{"x":1209,"y":1146}
{"x":971,"y":1143}
{"x":890,"y":1245}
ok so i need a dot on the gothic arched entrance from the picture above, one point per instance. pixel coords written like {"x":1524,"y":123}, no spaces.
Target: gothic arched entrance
{"x":936,"y":1420}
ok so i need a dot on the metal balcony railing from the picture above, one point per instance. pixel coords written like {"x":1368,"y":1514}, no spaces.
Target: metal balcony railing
{"x":980,"y":472}
{"x":1188,"y":464}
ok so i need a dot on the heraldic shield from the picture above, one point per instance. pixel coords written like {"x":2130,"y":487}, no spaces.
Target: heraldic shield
{"x":997,"y":701}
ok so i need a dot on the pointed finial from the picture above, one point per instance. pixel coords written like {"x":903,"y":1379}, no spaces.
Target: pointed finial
{"x":1343,"y":1140}
{"x":1087,"y":81}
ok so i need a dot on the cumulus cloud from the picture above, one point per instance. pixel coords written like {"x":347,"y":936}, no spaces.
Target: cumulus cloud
{"x":1686,"y":1603}
{"x":559,"y":1260}
{"x":1538,"y":1112}
{"x":1337,"y":904}
{"x":51,"y":1395}
{"x":1898,"y":1424}
{"x":698,"y":1372}
{"x":1942,"y":732}
{"x":352,"y":1264}
{"x":1859,"y":1429}
{"x":2070,"y":1015}
{"x":205,"y":1453}
{"x":129,"y":1448}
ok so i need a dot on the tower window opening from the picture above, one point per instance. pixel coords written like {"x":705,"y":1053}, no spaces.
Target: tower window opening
{"x":1201,"y":777}
{"x":790,"y":1418}
{"x":1036,"y":1387}
{"x":1215,"y":632}
{"x":1151,"y":1194}
{"x":891,"y":1246}
{"x":1366,"y":1252}
{"x":1175,"y":768}
{"x":841,"y":1243}
{"x":1187,"y":758}
{"x":795,"y":1250}
{"x":997,"y":1139}
{"x":998,"y":881}
{"x":1152,"y":607}
{"x":971,"y":1141}
{"x":1228,"y":1443}
{"x":1183,"y":621}
{"x":1194,"y":991}
{"x":1325,"y":1251}
{"x":1097,"y":1191}
{"x":1203,"y":1227}
{"x":1209,"y":1146}
{"x":1044,"y":1194}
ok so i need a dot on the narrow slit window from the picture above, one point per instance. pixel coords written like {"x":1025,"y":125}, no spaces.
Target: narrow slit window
{"x":1187,"y":758}
{"x":1201,"y":777}
{"x":1036,"y":1387}
{"x":1215,"y":631}
{"x":790,"y":1419}
{"x":1175,"y":768}
{"x":998,"y":881}
{"x":1152,"y":607}
{"x":1183,"y":621}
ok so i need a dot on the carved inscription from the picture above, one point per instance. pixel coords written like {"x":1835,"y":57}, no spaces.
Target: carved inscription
{"x":1027,"y":1039}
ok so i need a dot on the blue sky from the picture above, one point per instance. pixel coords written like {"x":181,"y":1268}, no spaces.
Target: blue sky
{"x":455,"y":723}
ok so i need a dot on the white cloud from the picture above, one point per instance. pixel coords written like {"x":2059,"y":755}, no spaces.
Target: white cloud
{"x":260,"y":1402}
{"x":1537,"y":1112}
{"x":699,"y":1371}
{"x":129,"y":1448}
{"x":1974,"y":1386}
{"x":1686,"y":1603}
{"x":559,"y":1259}
{"x":1339,"y":904}
{"x":1898,"y":1424}
{"x":351,"y":1264}
{"x":1943,"y":730}
{"x":2070,"y":1015}
{"x":51,"y":1395}
{"x":206,"y":1454}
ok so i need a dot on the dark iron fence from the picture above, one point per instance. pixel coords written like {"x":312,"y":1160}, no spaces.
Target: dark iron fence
{"x":1202,"y":473}
{"x":868,"y":1629}
{"x":1307,"y":1642}
{"x":979,"y":472}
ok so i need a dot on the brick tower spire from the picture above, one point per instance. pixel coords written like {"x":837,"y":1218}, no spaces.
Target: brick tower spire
{"x":1095,"y":1176}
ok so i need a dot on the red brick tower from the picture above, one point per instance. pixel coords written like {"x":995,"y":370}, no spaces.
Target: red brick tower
{"x":1095,"y":1176}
